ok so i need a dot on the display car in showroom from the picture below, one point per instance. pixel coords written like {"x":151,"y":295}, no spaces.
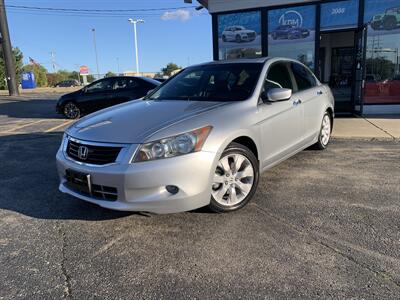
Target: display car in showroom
{"x":200,"y":139}
{"x":238,"y":34}
{"x":104,"y":93}
{"x":389,"y":20}
{"x":290,"y":32}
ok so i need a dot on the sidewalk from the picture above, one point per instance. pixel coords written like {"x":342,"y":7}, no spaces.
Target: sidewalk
{"x":367,"y":128}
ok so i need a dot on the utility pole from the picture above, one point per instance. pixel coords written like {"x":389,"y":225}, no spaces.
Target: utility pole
{"x":95,"y":50}
{"x":7,"y":52}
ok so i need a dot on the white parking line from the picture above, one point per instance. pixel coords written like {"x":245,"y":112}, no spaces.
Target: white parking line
{"x":22,"y":126}
{"x":59,"y":126}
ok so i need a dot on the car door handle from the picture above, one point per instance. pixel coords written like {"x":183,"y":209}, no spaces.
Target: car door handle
{"x":296,"y":102}
{"x":320,"y":93}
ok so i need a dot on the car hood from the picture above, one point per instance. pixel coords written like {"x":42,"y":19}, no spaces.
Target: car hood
{"x":136,"y":121}
{"x":71,"y":95}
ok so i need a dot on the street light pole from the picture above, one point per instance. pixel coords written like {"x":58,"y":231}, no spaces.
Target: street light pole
{"x":134,"y":22}
{"x":7,"y":52}
{"x":95,"y":50}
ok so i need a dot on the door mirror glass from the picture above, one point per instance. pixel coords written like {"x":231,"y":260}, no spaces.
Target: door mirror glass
{"x":277,"y":94}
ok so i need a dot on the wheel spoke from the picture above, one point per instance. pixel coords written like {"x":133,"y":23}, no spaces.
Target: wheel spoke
{"x":247,"y":172}
{"x":218,"y":178}
{"x":244,"y":187}
{"x":220,"y":193}
{"x":238,"y":162}
{"x":224,"y":163}
{"x":233,"y":199}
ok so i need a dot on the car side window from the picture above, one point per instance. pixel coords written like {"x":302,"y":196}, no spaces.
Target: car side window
{"x":278,"y":77}
{"x":304,"y":79}
{"x":125,"y":83}
{"x":100,"y":86}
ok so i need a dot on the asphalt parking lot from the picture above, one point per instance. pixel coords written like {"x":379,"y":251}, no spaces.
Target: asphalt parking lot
{"x":322,"y":225}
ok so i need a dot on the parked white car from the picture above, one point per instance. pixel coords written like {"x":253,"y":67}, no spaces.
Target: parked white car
{"x":201,"y":138}
{"x":238,"y":34}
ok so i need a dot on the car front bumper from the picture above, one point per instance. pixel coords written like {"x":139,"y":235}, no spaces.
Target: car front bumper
{"x":142,"y":186}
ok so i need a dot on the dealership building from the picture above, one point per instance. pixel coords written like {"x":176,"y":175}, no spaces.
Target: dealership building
{"x":352,"y":45}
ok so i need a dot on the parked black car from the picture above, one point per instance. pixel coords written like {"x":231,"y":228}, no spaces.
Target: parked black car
{"x":104,"y":93}
{"x":68,"y":83}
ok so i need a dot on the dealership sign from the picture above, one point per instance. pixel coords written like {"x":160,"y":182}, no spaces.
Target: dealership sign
{"x":292,"y":18}
{"x":298,"y":17}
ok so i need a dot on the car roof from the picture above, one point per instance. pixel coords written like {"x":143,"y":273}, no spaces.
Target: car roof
{"x":259,"y":60}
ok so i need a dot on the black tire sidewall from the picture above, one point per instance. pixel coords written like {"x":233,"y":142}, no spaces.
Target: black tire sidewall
{"x":238,"y":149}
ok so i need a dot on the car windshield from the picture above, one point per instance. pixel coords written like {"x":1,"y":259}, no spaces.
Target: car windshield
{"x":220,"y":82}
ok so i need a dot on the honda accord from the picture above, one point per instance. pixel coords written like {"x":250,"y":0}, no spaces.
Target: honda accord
{"x":200,"y":139}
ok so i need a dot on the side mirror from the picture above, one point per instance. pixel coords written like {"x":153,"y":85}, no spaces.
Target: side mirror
{"x":277,"y":94}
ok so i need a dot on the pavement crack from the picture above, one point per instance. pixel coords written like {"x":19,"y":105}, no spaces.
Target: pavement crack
{"x":316,"y":237}
{"x":373,"y":124}
{"x":66,"y":276}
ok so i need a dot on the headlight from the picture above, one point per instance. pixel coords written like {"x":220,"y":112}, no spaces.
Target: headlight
{"x":177,"y":145}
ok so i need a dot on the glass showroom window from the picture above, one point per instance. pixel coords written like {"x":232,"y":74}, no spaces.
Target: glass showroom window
{"x":291,"y":33}
{"x":383,"y":44}
{"x":239,"y":35}
{"x":339,"y":15}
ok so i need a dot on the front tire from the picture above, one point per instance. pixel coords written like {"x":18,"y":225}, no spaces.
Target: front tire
{"x":71,"y":111}
{"x":325,"y":133}
{"x":235,"y":179}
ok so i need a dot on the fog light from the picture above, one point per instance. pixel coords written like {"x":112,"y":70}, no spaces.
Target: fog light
{"x":172,"y":189}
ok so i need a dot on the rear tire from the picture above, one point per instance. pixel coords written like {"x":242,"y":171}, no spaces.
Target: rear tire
{"x":71,"y":111}
{"x":324,"y":133}
{"x":235,"y":179}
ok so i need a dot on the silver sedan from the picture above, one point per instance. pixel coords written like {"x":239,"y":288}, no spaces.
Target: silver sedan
{"x":200,"y":139}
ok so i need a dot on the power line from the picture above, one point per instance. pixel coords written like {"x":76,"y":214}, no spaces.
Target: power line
{"x":96,"y":10}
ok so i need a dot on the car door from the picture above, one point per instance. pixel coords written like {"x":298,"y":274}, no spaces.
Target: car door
{"x":281,"y":121}
{"x":97,"y":95}
{"x":128,"y":88}
{"x":309,"y":92}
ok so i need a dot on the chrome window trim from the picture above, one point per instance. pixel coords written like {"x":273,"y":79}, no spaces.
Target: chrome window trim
{"x":123,"y":152}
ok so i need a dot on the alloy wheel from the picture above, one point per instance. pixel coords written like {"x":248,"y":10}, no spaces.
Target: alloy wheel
{"x":326,"y":130}
{"x":71,"y":111}
{"x":233,"y":180}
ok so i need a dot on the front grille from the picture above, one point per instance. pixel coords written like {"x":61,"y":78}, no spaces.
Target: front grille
{"x":251,"y":35}
{"x":79,"y":183}
{"x":97,"y":155}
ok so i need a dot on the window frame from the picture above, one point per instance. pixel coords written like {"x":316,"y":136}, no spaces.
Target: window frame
{"x":292,"y":79}
{"x":297,"y":90}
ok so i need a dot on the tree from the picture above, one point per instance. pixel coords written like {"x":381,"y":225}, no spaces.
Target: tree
{"x":40,"y":73}
{"x":90,"y":78}
{"x":18,"y":56}
{"x":109,"y":74}
{"x":170,"y":68}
